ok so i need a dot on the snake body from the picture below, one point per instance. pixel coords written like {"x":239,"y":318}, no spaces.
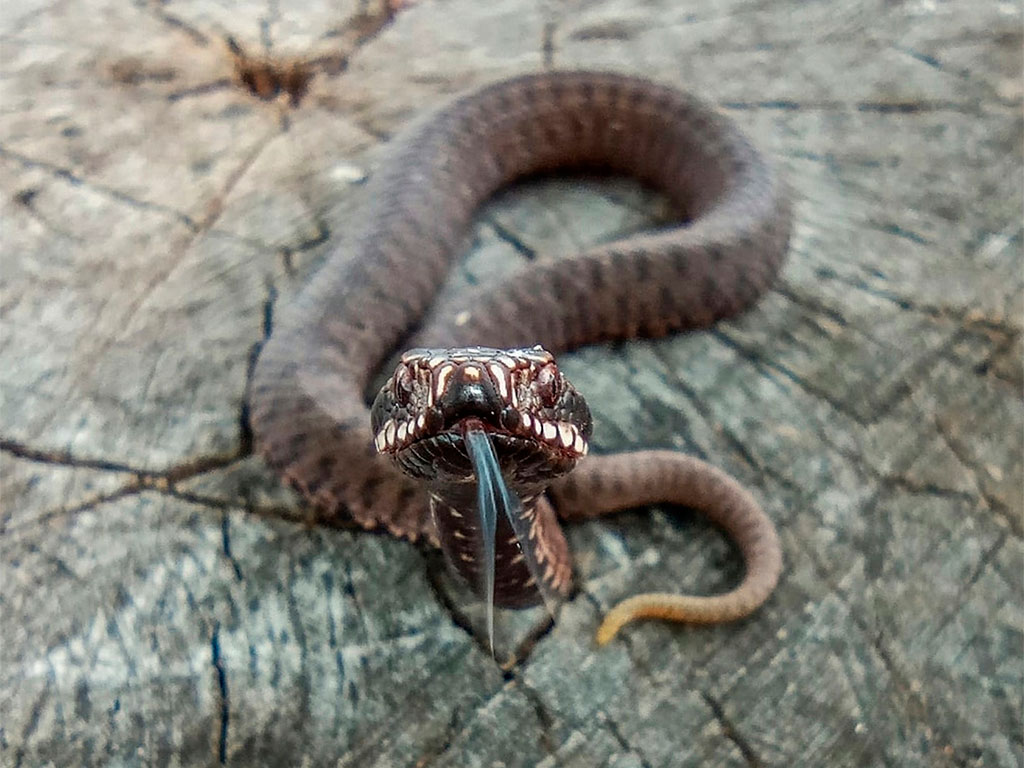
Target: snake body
{"x":308,"y":392}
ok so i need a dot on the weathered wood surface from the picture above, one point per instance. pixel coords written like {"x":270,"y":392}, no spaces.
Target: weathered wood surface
{"x":163,"y":603}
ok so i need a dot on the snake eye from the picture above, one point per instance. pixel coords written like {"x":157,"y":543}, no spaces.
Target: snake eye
{"x":403,"y":385}
{"x":547,"y":384}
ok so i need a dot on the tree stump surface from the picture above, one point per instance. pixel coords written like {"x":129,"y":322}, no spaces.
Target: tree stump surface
{"x":172,"y":172}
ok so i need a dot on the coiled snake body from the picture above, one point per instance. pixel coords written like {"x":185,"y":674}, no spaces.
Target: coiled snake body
{"x":309,"y":413}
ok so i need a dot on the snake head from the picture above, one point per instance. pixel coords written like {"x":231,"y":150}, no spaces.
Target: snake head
{"x":538,"y":422}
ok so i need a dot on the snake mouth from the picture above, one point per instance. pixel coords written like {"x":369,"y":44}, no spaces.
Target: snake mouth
{"x":525,"y":453}
{"x":445,"y":457}
{"x":511,"y":426}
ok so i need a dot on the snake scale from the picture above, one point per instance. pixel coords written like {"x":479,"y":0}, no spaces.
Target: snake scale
{"x":309,"y":390}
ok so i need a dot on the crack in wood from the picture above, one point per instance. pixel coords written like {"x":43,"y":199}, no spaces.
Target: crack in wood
{"x":891,"y":480}
{"x":217,"y":660}
{"x":294,"y":515}
{"x":161,"y":482}
{"x":75,"y":180}
{"x":896,"y":230}
{"x":963,"y":592}
{"x":64,"y":458}
{"x":265,"y":22}
{"x":34,"y":717}
{"x":655,"y":412}
{"x":302,"y":682}
{"x":817,"y":306}
{"x":151,"y":478}
{"x":458,"y":724}
{"x":434,"y":568}
{"x":924,"y":58}
{"x":349,"y":590}
{"x":225,"y":542}
{"x":990,"y":366}
{"x":836,"y":163}
{"x":895,"y":107}
{"x":909,"y":703}
{"x":733,"y":440}
{"x":321,"y":237}
{"x":508,"y":236}
{"x":544,"y":717}
{"x":613,"y":728}
{"x":267,"y":76}
{"x":215,"y":205}
{"x":446,"y":741}
{"x":26,"y":199}
{"x":764,"y":363}
{"x":966,"y":317}
{"x":246,"y":437}
{"x":730,"y":731}
{"x":1012,"y":518}
{"x":200,"y":89}
{"x":177,"y":23}
{"x":900,"y":388}
{"x":521,"y":654}
{"x":370,"y":742}
{"x":547,"y":43}
{"x":48,"y":516}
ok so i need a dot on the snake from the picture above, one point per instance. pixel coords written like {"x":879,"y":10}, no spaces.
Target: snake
{"x":479,"y":391}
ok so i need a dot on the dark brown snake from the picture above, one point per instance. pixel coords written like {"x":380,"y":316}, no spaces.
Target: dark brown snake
{"x":308,"y":397}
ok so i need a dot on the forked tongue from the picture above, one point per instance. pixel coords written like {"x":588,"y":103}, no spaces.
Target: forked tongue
{"x":492,"y":493}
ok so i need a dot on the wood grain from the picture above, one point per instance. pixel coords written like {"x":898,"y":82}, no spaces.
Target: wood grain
{"x":164,"y":601}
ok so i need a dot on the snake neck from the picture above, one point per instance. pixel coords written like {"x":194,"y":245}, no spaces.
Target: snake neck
{"x":457,"y":521}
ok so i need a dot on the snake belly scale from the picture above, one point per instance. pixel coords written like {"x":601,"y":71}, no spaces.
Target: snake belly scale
{"x":308,"y":394}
